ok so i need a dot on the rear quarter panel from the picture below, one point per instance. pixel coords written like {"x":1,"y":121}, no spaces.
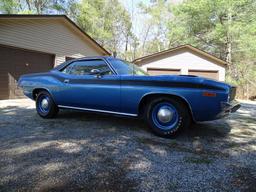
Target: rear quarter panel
{"x":39,"y":81}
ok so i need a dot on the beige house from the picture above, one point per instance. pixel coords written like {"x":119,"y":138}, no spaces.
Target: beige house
{"x":184,"y":60}
{"x":37,"y":43}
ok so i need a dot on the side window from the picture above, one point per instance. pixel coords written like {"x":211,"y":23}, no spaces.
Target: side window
{"x":85,"y":67}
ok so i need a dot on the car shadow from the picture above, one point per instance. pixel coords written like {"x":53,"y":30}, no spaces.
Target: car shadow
{"x":219,"y":128}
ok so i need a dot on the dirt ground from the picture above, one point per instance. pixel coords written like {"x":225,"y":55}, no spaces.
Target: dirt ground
{"x":81,"y":151}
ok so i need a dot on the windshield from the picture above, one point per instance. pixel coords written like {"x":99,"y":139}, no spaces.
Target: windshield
{"x":126,"y":68}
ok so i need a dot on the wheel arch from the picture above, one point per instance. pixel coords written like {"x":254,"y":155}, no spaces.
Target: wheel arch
{"x":38,"y":90}
{"x":150,"y":96}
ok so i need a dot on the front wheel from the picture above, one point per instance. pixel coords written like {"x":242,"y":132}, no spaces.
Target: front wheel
{"x":167,"y":116}
{"x":45,"y":105}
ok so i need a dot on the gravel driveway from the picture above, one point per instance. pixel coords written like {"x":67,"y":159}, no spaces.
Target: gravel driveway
{"x":90,"y":152}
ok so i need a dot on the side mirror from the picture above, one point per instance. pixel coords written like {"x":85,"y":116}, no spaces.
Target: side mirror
{"x":95,"y":72}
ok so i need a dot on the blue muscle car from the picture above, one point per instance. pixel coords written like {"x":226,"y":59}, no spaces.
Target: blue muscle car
{"x":168,"y":103}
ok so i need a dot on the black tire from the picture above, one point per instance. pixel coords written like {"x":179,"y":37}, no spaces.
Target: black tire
{"x":181,"y":114}
{"x":52,"y":108}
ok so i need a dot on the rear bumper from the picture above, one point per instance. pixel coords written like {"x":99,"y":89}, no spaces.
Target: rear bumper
{"x":227,"y":108}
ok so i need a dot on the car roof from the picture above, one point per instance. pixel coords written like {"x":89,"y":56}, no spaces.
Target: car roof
{"x":61,"y":66}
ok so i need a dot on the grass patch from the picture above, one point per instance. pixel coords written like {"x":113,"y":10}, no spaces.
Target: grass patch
{"x":198,"y":160}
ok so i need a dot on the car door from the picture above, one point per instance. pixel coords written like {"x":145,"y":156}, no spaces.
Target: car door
{"x":90,"y":84}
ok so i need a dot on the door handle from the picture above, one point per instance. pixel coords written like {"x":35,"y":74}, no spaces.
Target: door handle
{"x":66,"y":81}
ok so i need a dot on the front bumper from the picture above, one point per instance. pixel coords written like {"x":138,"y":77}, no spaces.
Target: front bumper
{"x":228,"y":107}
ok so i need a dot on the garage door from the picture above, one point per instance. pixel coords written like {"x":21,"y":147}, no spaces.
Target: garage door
{"x":207,"y":74}
{"x":16,"y":62}
{"x":154,"y":71}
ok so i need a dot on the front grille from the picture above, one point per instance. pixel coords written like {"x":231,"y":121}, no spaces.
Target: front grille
{"x":232,"y":93}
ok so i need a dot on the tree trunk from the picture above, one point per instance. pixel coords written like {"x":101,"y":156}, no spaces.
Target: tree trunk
{"x":145,"y":39}
{"x":229,"y":42}
{"x":28,"y":4}
{"x":247,"y":91}
{"x":134,"y":49}
{"x":231,"y":67}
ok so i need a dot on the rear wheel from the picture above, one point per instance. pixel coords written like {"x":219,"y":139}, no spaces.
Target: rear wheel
{"x":45,"y":105}
{"x":167,"y":117}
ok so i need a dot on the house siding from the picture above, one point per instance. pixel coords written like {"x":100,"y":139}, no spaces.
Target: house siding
{"x":53,"y":36}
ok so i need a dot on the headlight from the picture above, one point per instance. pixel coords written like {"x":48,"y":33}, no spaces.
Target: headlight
{"x":232,"y":94}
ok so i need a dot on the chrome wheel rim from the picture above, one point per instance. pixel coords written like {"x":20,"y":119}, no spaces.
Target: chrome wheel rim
{"x":45,"y":104}
{"x":164,"y":115}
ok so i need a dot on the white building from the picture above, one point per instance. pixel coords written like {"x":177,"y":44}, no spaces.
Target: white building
{"x":184,"y":60}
